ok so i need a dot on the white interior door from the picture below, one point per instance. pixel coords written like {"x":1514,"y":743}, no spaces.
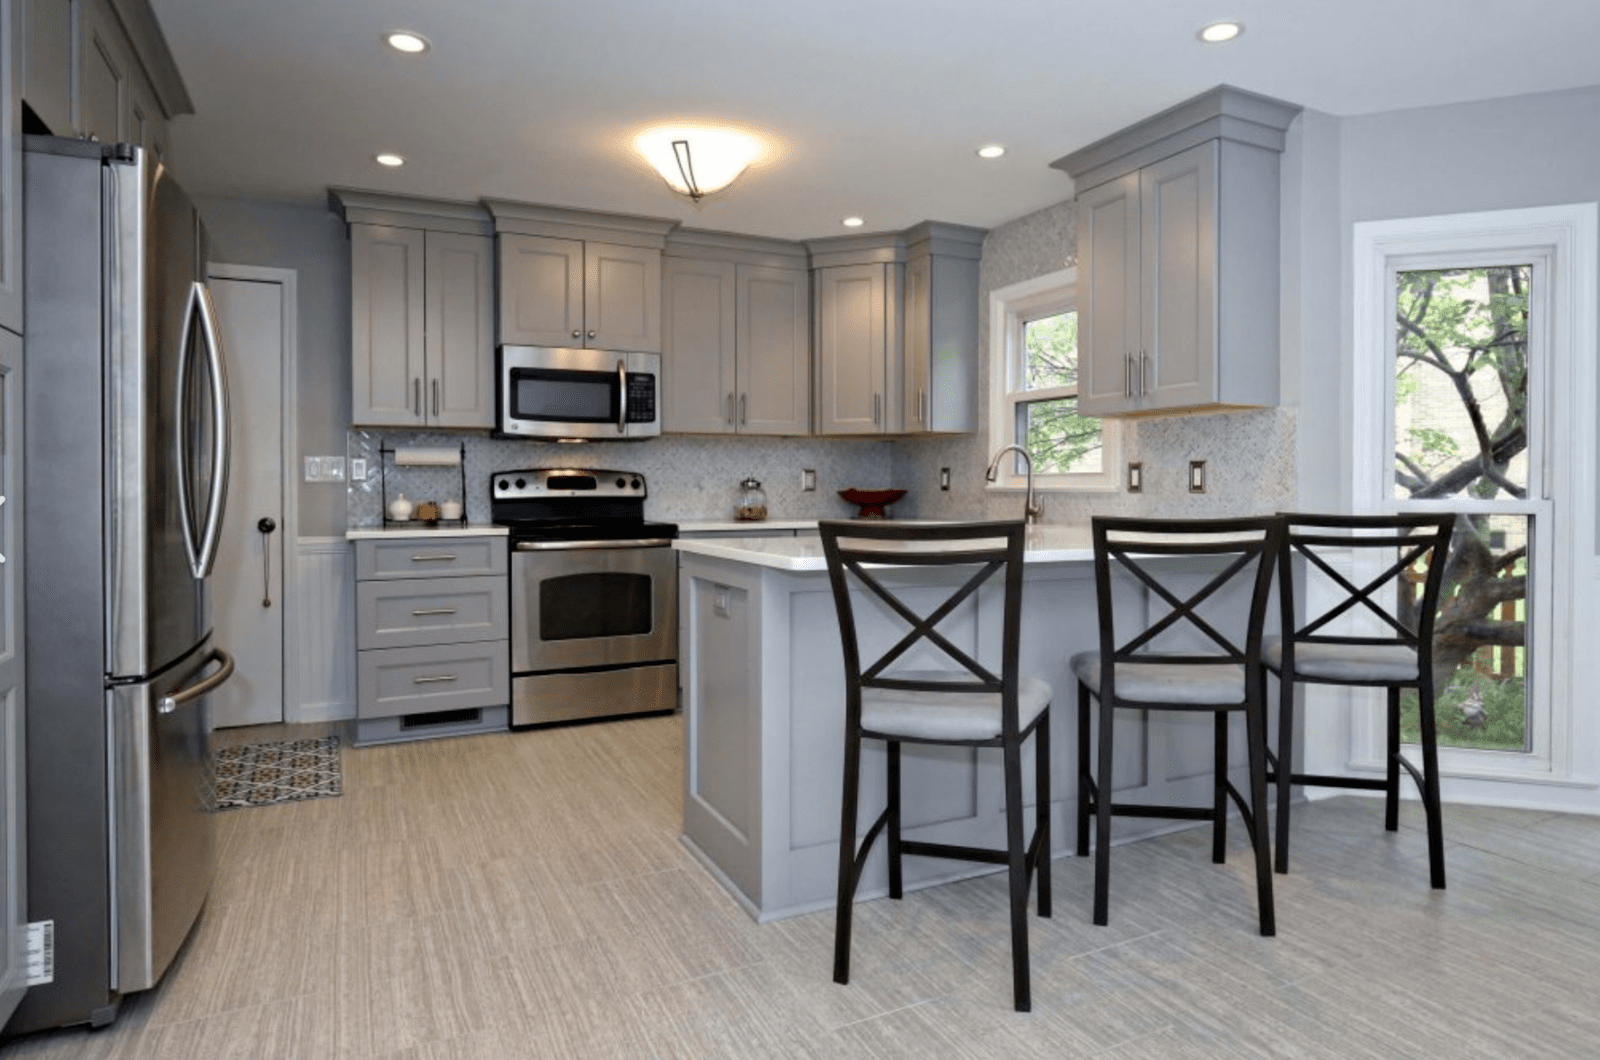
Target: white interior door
{"x":255,"y":311}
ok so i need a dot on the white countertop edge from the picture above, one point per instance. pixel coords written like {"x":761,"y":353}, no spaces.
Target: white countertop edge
{"x":370,"y":533}
{"x":1045,"y":545}
{"x":728,"y":526}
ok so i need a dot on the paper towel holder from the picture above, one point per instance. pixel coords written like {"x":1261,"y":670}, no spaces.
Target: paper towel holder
{"x":386,"y":457}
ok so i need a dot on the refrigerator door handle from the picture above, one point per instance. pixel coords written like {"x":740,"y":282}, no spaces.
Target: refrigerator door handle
{"x":168,"y":704}
{"x":203,"y":553}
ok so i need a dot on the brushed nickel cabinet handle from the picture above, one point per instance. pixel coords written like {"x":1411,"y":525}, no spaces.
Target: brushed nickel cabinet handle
{"x":436,"y":398}
{"x":877,"y":402}
{"x":577,"y":334}
{"x":744,"y":408}
{"x":434,"y":679}
{"x":437,"y":557}
{"x":420,"y":611}
{"x":416,"y":395}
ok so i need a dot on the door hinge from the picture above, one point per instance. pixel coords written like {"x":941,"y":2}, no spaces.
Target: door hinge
{"x":41,"y":952}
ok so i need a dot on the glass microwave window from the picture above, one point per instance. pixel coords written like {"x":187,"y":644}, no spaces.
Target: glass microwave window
{"x":599,"y":604}
{"x":564,"y":397}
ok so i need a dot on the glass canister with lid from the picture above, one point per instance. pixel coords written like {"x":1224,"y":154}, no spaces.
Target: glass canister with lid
{"x":752,"y":502}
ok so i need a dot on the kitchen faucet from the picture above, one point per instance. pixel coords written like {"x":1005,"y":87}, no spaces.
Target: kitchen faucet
{"x":1030,"y":508}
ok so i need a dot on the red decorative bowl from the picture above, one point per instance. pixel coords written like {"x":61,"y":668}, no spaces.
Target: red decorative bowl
{"x":872,"y":502}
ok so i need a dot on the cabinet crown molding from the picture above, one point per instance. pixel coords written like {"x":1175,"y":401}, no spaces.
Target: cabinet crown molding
{"x":405,"y":211}
{"x":560,"y":222}
{"x":705,"y":245}
{"x":150,"y":48}
{"x":1221,"y":113}
{"x":942,"y":238}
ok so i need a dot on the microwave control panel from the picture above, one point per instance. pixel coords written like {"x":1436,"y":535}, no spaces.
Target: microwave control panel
{"x":641,"y":397}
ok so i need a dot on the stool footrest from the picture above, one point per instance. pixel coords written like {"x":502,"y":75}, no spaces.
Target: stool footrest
{"x":1185,"y":813}
{"x":949,"y":850}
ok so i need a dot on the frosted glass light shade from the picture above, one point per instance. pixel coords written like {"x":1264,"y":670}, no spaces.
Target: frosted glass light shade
{"x":715,"y":158}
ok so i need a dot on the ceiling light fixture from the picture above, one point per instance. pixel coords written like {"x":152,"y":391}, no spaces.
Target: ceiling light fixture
{"x":697,"y":160}
{"x":403,"y":40}
{"x":1221,"y":32}
{"x":991,"y":151}
{"x":853,"y":222}
{"x":389,"y":158}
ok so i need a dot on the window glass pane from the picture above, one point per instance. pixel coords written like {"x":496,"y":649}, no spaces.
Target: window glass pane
{"x":1479,"y":638}
{"x":1461,"y":383}
{"x":1059,"y":440}
{"x":1050,"y":351}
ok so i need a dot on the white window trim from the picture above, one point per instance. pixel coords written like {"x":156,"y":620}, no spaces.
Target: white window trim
{"x":1564,"y":745}
{"x":1009,"y":307}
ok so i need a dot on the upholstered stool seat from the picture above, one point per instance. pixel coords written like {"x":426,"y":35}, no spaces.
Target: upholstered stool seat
{"x":927,"y":715}
{"x":1356,"y":663}
{"x":1158,"y":682}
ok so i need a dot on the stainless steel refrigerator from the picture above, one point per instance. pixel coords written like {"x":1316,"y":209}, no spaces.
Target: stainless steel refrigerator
{"x":126,"y":464}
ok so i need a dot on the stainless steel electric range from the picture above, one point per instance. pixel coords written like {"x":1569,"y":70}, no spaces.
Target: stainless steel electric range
{"x":594,"y":595}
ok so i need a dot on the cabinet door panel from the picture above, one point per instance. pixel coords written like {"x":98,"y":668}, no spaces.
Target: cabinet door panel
{"x":103,"y":92}
{"x":918,"y":343}
{"x":850,"y":347}
{"x":1178,"y":210}
{"x":774,"y":351}
{"x":698,"y":343}
{"x":541,"y":291}
{"x":460,"y":339}
{"x":48,"y":46}
{"x":622,"y":298}
{"x":1108,"y":295}
{"x":387,"y":355}
{"x":10,"y":165}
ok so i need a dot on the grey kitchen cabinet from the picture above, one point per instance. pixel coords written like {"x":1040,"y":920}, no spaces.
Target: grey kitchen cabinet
{"x":583,"y":293}
{"x":11,"y":62}
{"x":105,"y":70}
{"x":432,"y":636}
{"x":49,"y":44}
{"x":421,"y":307}
{"x":1178,"y":258}
{"x":940,"y":356}
{"x":858,"y":348}
{"x":736,"y":337}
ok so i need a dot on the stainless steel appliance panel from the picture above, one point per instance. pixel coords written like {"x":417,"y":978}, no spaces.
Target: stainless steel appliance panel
{"x":164,"y":797}
{"x":540,"y":699}
{"x":592,"y":604}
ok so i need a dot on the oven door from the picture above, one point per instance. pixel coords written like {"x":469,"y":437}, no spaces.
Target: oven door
{"x":592,"y":604}
{"x":571,"y":393}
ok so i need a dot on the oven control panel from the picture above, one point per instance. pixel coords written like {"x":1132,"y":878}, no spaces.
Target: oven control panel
{"x":542,"y":483}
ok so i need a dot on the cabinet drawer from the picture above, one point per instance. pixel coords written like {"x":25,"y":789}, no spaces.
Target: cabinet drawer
{"x":411,"y":557}
{"x":448,"y":677}
{"x":413,"y":612}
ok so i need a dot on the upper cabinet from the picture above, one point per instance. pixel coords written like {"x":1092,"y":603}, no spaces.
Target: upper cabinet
{"x":10,"y":165}
{"x":940,"y":362}
{"x":1178,"y":258}
{"x":101,"y":69}
{"x":421,"y":307}
{"x":578,"y":278}
{"x":858,"y":347}
{"x":736,"y":337}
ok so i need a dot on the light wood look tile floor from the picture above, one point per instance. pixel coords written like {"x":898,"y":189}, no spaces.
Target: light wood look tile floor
{"x":524,"y":895}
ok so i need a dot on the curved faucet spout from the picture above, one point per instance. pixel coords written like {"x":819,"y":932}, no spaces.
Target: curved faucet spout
{"x":1030,"y":507}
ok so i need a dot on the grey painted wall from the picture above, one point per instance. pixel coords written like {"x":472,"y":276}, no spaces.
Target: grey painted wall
{"x":312,"y":242}
{"x":1534,"y":150}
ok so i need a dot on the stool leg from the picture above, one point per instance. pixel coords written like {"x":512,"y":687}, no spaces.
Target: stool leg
{"x":1102,"y":823}
{"x":1285,"y":770}
{"x":1041,"y":808}
{"x":1391,"y":797}
{"x":1017,"y":862}
{"x":1083,"y":770}
{"x":1430,"y":778}
{"x":892,"y":753}
{"x":1219,"y":788}
{"x":1255,"y":720}
{"x":847,"y":857}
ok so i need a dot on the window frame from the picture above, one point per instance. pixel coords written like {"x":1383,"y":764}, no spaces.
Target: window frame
{"x":1010,"y":309}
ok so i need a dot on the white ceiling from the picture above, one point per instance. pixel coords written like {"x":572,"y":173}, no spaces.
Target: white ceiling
{"x":873,"y":107}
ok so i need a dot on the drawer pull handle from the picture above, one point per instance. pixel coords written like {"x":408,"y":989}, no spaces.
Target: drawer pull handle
{"x":442,"y":557}
{"x":420,"y":611}
{"x":433,"y":680}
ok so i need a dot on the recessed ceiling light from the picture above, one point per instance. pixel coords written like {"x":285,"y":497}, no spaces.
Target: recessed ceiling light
{"x":403,"y":40}
{"x":991,"y":151}
{"x":389,"y":158}
{"x":1219,"y":32}
{"x":853,"y":222}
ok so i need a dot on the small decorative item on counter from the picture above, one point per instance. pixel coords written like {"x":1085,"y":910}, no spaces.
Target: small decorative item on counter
{"x":428,"y":512}
{"x":873,"y":502}
{"x":752,"y":502}
{"x":400,"y":509}
{"x":450,"y":509}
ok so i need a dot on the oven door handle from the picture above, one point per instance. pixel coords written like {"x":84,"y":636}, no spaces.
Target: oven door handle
{"x":568,"y":546}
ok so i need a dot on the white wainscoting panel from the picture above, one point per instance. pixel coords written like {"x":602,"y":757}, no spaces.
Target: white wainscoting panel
{"x":321,"y":651}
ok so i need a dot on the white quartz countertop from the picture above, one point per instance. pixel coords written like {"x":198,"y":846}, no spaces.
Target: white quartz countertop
{"x":379,"y":533}
{"x":1046,"y":544}
{"x":732,"y":527}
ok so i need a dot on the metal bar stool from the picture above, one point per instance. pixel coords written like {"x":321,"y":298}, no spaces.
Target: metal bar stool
{"x":1148,"y":672}
{"x":1395,"y":652}
{"x":964,"y":703}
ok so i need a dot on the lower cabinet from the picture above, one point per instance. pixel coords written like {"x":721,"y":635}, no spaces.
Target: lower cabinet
{"x":432,"y":632}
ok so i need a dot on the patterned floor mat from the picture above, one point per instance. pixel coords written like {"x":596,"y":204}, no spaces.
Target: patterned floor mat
{"x":260,"y":774}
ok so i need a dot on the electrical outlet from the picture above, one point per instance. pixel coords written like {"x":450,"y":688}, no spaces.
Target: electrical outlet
{"x":1197,"y":476}
{"x":944,"y":479}
{"x":808,"y":480}
{"x":358,"y":469}
{"x":1135,"y":477}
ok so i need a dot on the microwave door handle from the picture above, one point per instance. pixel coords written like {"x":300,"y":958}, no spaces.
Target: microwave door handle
{"x":622,"y":403}
{"x":216,"y":365}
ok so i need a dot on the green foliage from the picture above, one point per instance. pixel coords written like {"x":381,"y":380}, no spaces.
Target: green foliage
{"x":1051,"y":345}
{"x":1504,"y":704}
{"x":1060,"y":440}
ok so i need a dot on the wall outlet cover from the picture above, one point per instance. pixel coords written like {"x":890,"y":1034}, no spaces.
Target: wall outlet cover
{"x":1197,"y":476}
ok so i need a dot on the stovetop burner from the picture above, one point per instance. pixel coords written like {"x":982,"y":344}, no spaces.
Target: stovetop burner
{"x":573,"y":504}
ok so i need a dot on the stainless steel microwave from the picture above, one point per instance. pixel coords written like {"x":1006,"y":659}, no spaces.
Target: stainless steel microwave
{"x":545,"y":392}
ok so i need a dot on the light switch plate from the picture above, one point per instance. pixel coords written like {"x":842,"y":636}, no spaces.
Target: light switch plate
{"x":1135,"y":477}
{"x":324,"y":469}
{"x":944,"y":479}
{"x":1197,"y":476}
{"x":808,"y":480}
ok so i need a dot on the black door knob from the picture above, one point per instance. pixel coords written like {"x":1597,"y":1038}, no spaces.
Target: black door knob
{"x":266,"y":524}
